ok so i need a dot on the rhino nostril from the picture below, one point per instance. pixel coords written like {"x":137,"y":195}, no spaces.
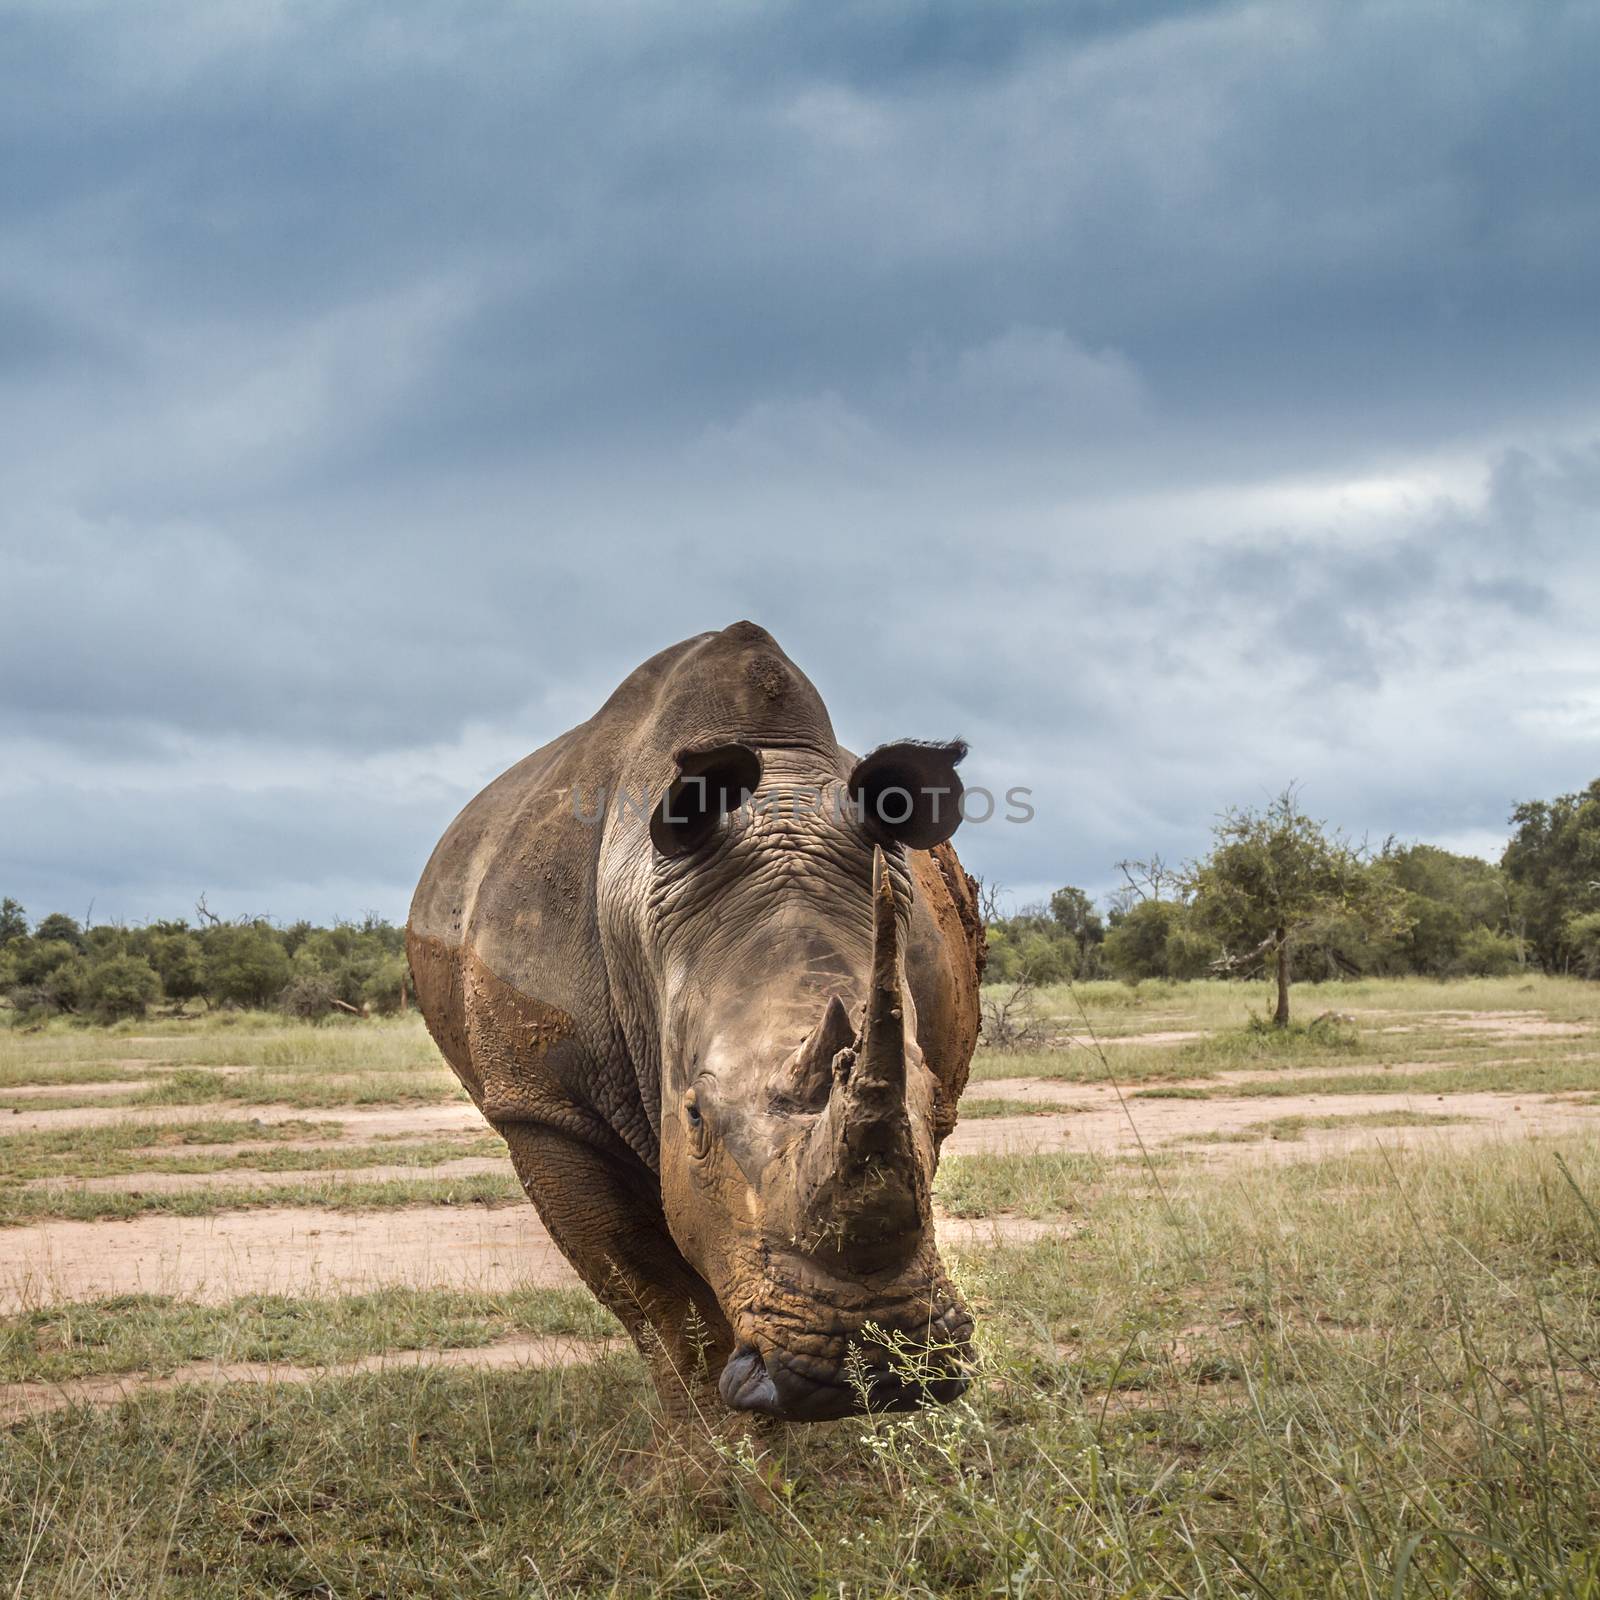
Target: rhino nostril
{"x":746,"y":1385}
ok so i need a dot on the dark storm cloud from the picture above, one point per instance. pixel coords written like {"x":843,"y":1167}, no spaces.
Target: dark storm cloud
{"x":1170,"y":398}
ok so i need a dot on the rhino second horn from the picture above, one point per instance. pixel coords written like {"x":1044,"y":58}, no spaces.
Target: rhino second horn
{"x":812,"y":1069}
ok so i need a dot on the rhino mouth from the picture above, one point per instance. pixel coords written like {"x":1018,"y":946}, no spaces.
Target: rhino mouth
{"x":804,"y":1388}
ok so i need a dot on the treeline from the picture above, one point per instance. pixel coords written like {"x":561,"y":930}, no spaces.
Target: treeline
{"x":1276,"y":890}
{"x":1275,"y":878}
{"x":108,"y":972}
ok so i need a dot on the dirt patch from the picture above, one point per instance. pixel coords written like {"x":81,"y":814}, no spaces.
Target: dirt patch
{"x":1079,"y":1041}
{"x":359,"y":1122}
{"x":1047,"y":1091}
{"x":335,"y":1141}
{"x":22,"y":1400}
{"x":1105,"y":1125}
{"x":296,"y":1251}
{"x":310,"y":1250}
{"x":1502,"y":1024}
{"x":180,"y":1182}
{"x":45,"y":1092}
{"x":1511,"y":1024}
{"x":1066,"y":1093}
{"x":968,"y":1233}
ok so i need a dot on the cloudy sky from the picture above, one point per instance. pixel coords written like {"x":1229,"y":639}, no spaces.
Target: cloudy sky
{"x":1172,"y":399}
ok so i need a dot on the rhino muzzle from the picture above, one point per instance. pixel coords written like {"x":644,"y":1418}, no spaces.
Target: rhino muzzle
{"x":925,"y":1368}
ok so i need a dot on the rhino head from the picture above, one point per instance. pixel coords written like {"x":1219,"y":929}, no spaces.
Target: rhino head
{"x":797,"y":1115}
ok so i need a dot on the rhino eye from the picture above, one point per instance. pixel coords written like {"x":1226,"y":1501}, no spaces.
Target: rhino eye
{"x":699,"y":1133}
{"x":709,"y":784}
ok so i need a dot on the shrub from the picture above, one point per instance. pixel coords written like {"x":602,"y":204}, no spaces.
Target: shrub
{"x":121,"y":986}
{"x":1190,"y":950}
{"x":309,"y":995}
{"x":1483,"y":953}
{"x":244,"y":965}
{"x":59,"y":926}
{"x":59,"y":989}
{"x":385,"y":988}
{"x":33,"y":960}
{"x":1583,"y":941}
{"x":1137,"y":946}
{"x":176,"y":958}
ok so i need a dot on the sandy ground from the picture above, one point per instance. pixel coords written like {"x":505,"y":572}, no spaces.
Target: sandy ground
{"x":177,"y":1182}
{"x":114,"y":1089}
{"x":1103,"y":1125}
{"x":312,"y":1251}
{"x":19,"y":1400}
{"x":1073,"y":1040}
{"x":308,"y":1250}
{"x":360,"y":1122}
{"x":300,"y":1251}
{"x":1502,"y":1024}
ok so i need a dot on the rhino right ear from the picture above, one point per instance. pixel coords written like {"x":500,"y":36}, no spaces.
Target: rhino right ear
{"x":908,"y":793}
{"x":709,"y":784}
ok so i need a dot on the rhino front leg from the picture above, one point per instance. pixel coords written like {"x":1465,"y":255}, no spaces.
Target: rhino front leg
{"x":607,"y":1221}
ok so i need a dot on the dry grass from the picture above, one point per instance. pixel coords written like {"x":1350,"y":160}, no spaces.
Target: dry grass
{"x":1356,"y":1377}
{"x":1365,"y":1375}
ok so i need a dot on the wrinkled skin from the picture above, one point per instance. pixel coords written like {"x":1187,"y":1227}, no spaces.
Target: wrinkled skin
{"x":723,"y":1049}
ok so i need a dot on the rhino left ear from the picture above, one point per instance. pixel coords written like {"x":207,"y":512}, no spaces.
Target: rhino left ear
{"x":709,"y":784}
{"x":908,"y":793}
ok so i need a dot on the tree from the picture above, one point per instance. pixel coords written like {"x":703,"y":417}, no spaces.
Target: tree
{"x":1583,"y":941}
{"x":1159,"y":939}
{"x":1273,"y":875}
{"x":309,"y":995}
{"x":244,"y":964}
{"x":122,"y":986}
{"x":13,"y":921}
{"x":1147,"y":880}
{"x":35,"y":959}
{"x":1075,"y":915}
{"x":1457,"y":907}
{"x":386,"y":986}
{"x":176,"y":957}
{"x":1553,"y":859}
{"x":59,"y":926}
{"x":1136,"y":946}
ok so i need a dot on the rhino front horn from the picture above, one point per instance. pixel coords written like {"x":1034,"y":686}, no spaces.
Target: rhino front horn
{"x":866,"y":1188}
{"x":875,"y":1095}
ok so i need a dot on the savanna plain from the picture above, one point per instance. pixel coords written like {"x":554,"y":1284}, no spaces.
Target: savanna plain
{"x":1312,"y":1312}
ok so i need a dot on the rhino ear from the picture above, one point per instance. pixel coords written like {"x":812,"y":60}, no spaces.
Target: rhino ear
{"x":709,"y":784}
{"x":908,"y":793}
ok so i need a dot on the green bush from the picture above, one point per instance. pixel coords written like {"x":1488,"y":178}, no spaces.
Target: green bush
{"x":1136,"y":946}
{"x":34,"y":959}
{"x":1484,"y":953}
{"x":244,"y":965}
{"x":59,"y":926}
{"x":176,"y":956}
{"x":1190,"y":950}
{"x":61,"y":989}
{"x":1583,"y":941}
{"x":385,"y":989}
{"x":122,"y":986}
